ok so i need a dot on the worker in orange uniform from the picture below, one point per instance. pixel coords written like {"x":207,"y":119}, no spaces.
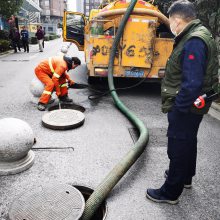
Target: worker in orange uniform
{"x":53,"y":74}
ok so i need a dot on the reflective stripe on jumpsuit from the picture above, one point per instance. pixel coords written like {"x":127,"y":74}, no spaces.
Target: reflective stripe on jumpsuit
{"x":49,"y":85}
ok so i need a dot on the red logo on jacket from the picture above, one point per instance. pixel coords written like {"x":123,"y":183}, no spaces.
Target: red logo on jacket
{"x":191,"y":57}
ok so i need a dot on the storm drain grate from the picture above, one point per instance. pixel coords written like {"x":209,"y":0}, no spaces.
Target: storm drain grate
{"x":53,"y":149}
{"x":134,"y":133}
{"x":20,"y":60}
{"x":157,"y":136}
{"x":55,"y":202}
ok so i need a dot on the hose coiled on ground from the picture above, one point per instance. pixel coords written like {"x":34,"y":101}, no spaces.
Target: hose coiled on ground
{"x":102,"y":191}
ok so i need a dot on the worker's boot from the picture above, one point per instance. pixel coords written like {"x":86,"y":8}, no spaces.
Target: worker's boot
{"x":156,"y":195}
{"x":187,"y":183}
{"x":51,"y":100}
{"x":41,"y":106}
{"x":65,"y":98}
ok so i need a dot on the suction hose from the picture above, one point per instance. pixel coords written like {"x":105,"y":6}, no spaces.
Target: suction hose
{"x":138,"y":11}
{"x":102,"y":191}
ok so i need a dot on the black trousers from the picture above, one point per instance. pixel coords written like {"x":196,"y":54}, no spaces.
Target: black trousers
{"x":182,"y":151}
{"x":25,"y":45}
{"x":16,"y":44}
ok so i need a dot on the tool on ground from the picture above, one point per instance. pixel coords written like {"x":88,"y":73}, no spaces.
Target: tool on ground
{"x":59,"y":105}
{"x":206,"y":98}
{"x":78,"y":86}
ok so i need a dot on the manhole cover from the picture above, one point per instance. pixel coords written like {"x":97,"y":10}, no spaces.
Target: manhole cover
{"x":63,"y":119}
{"x":49,"y":203}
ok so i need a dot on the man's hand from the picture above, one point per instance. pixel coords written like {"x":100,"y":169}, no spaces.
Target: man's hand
{"x":71,"y":82}
{"x":58,"y":93}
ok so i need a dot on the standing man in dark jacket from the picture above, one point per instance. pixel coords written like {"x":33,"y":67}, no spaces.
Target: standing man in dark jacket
{"x":40,"y":37}
{"x":14,"y":35}
{"x":24,"y":38}
{"x":190,"y":72}
{"x":44,"y":35}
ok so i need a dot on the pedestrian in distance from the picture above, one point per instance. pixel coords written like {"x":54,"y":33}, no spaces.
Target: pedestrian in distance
{"x":44,"y":35}
{"x":25,"y":39}
{"x":40,"y":36}
{"x":191,"y":71}
{"x":14,"y":35}
{"x":53,"y":74}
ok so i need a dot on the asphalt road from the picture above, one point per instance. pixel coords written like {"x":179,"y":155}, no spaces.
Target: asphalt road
{"x":84,"y":156}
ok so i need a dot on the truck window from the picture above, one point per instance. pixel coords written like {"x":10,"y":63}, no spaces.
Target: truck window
{"x":75,"y":27}
{"x":102,"y":28}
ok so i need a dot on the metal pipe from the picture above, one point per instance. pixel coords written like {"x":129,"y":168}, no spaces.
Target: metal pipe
{"x":102,"y":191}
{"x":139,"y":11}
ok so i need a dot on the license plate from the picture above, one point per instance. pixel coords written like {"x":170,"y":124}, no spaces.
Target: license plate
{"x":132,"y":73}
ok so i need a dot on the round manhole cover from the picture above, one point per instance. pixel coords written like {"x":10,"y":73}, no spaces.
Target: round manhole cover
{"x":63,"y":119}
{"x":49,"y":203}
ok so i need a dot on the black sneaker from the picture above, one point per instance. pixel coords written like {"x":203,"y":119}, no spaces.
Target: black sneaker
{"x":41,"y":106}
{"x":65,"y":98}
{"x":156,"y":196}
{"x":187,"y":184}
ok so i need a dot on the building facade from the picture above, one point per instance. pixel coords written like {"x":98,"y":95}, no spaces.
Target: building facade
{"x":88,"y":5}
{"x":80,"y":6}
{"x":52,"y":14}
{"x":28,"y":15}
{"x":52,"y":10}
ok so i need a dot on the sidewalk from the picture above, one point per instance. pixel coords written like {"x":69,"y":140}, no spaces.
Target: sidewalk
{"x":65,"y":45}
{"x":6,"y":52}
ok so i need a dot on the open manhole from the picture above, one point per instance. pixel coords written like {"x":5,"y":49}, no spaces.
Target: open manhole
{"x":101,"y":213}
{"x":54,"y":202}
{"x":67,"y":106}
{"x":63,"y":119}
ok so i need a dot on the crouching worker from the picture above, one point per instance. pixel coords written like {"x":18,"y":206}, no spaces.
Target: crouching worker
{"x":53,"y":74}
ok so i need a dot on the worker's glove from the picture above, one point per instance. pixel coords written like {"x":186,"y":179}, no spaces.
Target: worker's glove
{"x":71,"y":82}
{"x":58,"y":93}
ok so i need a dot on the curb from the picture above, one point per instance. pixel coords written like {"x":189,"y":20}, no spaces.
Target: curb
{"x":216,"y":106}
{"x":6,"y":52}
{"x":214,"y":111}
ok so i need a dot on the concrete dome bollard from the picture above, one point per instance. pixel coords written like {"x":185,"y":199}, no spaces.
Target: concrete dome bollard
{"x":16,"y":140}
{"x":64,"y":49}
{"x":36,"y":87}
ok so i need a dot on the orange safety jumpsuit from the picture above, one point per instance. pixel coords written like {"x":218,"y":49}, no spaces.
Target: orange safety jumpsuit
{"x":52,"y":73}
